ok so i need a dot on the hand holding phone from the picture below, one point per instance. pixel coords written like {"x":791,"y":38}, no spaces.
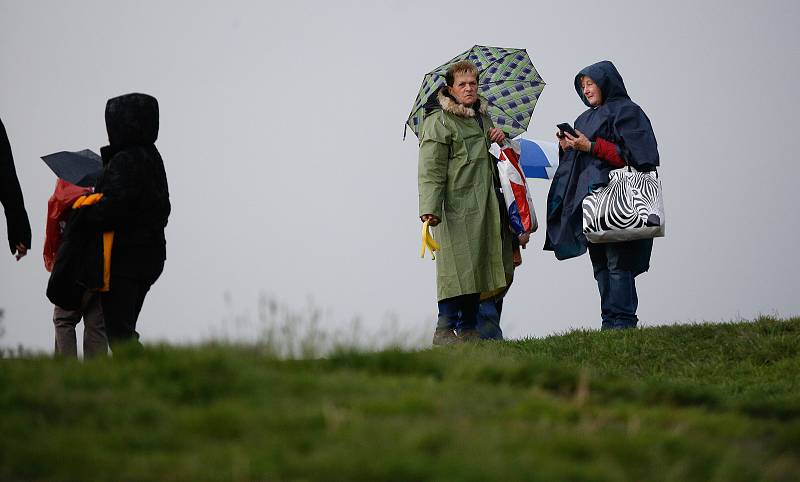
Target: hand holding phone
{"x":568,"y":129}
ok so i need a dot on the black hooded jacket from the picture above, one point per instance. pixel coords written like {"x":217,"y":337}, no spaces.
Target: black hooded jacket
{"x":135,"y":203}
{"x":617,"y":119}
{"x":19,"y":228}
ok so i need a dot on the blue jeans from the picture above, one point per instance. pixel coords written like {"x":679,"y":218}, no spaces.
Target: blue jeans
{"x":459,"y":313}
{"x":489,"y":319}
{"x":617,"y":285}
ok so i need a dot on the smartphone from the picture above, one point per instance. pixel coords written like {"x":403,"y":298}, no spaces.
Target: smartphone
{"x":568,"y":129}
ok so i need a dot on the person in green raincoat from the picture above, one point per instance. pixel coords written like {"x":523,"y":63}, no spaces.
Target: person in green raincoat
{"x":457,"y":180}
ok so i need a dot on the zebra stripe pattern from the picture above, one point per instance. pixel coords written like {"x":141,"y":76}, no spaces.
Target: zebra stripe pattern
{"x":629,"y":207}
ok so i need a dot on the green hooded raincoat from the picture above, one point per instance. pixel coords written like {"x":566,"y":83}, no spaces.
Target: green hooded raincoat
{"x":456,"y":183}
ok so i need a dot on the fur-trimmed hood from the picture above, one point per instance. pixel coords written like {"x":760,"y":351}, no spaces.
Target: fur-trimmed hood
{"x":446,"y":102}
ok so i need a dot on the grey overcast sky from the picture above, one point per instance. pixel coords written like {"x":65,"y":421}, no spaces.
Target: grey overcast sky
{"x":281,"y":132}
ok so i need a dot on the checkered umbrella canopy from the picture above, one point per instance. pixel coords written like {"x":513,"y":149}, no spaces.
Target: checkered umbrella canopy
{"x":507,"y":80}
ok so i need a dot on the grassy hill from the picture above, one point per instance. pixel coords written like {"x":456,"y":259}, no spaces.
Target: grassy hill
{"x":700,"y":402}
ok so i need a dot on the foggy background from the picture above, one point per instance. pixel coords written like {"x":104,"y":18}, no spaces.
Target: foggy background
{"x":281,"y":133}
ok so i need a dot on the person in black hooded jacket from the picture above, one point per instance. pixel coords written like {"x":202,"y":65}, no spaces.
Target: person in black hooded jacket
{"x":19,"y":228}
{"x":613,"y":132}
{"x":135,"y":206}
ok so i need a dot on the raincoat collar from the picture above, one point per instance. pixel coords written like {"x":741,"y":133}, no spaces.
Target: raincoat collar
{"x":449,"y":104}
{"x":109,"y":151}
{"x":606,"y":76}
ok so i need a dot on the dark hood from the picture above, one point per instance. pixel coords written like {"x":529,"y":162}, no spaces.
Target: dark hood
{"x":132,"y":119}
{"x":606,"y":76}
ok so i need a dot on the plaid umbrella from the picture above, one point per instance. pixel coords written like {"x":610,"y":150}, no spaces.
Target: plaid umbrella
{"x":506,"y":79}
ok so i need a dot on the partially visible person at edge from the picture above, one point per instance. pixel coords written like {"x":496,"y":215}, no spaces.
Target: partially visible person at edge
{"x":135,"y":206}
{"x":613,"y":132}
{"x":491,"y":306}
{"x":95,"y":342}
{"x":19,"y":228}
{"x":457,"y":180}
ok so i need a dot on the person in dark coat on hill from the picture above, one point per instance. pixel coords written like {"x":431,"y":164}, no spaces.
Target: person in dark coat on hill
{"x":613,"y":132}
{"x":19,"y":228}
{"x":135,"y":206}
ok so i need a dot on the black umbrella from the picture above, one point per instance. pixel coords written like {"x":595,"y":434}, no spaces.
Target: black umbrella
{"x":81,"y":168}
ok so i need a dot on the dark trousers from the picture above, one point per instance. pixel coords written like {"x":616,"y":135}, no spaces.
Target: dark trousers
{"x":489,"y":313}
{"x":459,"y":313}
{"x":617,"y":285}
{"x":121,"y":307}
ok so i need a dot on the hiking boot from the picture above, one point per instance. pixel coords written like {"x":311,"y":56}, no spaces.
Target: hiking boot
{"x":445,"y":336}
{"x":618,"y":325}
{"x":469,"y":335}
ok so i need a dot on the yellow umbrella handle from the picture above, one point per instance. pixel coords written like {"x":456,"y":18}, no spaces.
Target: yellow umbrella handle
{"x":428,"y":241}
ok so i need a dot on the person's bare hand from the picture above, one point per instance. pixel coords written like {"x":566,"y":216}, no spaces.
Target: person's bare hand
{"x":562,"y":141}
{"x":517,"y":258}
{"x":579,"y":143}
{"x":524,"y":238}
{"x":430,"y":217}
{"x":22,"y":250}
{"x":497,"y":135}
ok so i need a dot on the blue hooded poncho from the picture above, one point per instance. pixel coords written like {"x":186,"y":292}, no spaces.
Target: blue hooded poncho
{"x":618,"y":120}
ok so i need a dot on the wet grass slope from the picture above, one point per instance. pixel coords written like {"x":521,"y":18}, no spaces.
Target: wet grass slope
{"x":695,"y":402}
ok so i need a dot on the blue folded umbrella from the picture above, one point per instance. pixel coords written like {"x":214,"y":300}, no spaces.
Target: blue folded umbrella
{"x":538,"y":159}
{"x":82,"y":168}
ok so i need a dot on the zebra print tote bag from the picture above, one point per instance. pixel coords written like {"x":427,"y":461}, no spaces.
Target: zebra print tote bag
{"x":630,"y":207}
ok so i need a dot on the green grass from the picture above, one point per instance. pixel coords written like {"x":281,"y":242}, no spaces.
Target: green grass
{"x":697,"y":402}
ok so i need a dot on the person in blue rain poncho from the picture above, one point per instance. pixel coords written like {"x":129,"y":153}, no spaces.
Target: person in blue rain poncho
{"x":612,"y":132}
